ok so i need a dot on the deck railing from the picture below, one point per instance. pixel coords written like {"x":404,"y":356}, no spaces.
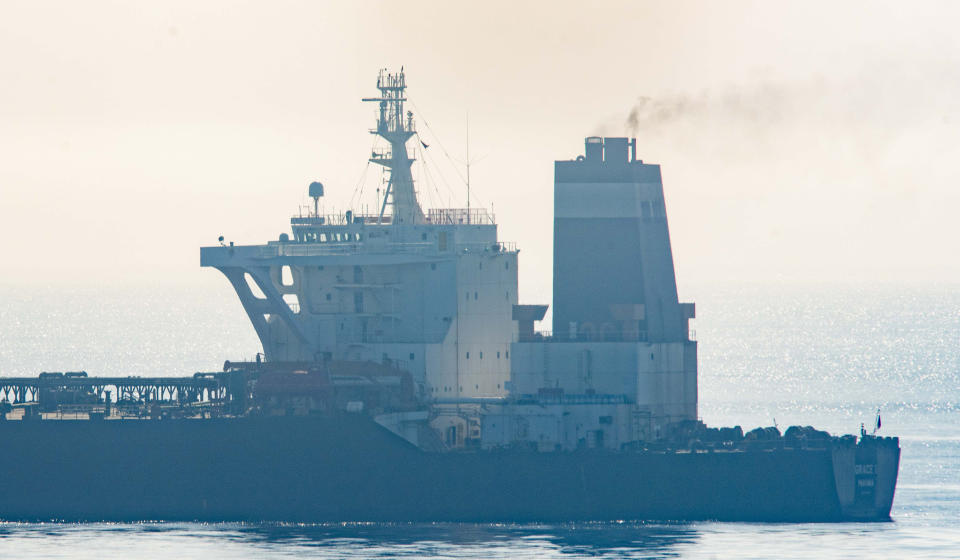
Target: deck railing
{"x":330,"y":249}
{"x":459,"y":216}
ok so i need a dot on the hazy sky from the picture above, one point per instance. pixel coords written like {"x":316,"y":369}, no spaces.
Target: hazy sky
{"x":805,"y":141}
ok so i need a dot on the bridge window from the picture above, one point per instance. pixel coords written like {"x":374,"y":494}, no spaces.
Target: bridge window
{"x":286,"y":275}
{"x":411,"y":356}
{"x":476,"y":296}
{"x":468,"y":355}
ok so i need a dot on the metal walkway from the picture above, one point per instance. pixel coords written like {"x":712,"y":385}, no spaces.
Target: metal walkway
{"x":199,"y":388}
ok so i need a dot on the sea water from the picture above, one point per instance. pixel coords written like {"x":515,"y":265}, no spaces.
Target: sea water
{"x":823,"y":355}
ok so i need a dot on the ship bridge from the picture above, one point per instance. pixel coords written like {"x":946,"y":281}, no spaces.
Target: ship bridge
{"x":433,"y":289}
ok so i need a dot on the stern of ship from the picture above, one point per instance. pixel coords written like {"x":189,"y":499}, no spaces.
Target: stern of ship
{"x":865,"y":473}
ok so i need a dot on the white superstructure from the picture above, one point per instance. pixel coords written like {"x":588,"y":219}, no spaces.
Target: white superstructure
{"x":435,"y":293}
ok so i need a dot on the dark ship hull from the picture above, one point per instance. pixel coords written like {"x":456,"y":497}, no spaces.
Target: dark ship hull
{"x":348,"y":468}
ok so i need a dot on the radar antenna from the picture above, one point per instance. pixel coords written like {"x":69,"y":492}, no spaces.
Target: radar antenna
{"x":396,"y":127}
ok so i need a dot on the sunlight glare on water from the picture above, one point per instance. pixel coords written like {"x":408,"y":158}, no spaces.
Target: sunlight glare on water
{"x":824,"y":356}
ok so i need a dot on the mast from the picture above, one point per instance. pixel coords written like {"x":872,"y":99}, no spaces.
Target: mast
{"x":396,"y":127}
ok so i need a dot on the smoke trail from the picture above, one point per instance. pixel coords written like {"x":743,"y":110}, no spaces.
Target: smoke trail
{"x":763,"y":103}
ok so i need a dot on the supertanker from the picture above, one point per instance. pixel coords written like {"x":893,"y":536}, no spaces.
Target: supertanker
{"x":400,"y":379}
